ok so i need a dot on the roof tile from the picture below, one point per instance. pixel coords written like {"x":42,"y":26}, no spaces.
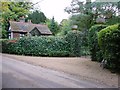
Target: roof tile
{"x":27,"y":27}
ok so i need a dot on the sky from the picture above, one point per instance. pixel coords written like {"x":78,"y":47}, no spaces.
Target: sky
{"x":53,"y":8}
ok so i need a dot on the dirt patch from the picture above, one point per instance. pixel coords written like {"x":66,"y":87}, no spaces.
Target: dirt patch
{"x":81,"y":67}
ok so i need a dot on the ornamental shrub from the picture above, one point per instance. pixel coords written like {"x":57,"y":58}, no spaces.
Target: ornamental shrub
{"x":96,"y":53}
{"x":109,"y":41}
{"x":74,"y":39}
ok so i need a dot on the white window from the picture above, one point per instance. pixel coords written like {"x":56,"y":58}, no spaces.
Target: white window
{"x":21,"y":35}
{"x":9,"y":35}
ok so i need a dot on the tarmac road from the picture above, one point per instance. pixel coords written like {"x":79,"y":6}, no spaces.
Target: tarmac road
{"x":17,"y":74}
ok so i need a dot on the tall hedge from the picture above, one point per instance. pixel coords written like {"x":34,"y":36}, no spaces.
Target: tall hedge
{"x":36,"y":46}
{"x":109,"y":41}
{"x":74,"y":39}
{"x":70,"y":45}
{"x":96,"y":53}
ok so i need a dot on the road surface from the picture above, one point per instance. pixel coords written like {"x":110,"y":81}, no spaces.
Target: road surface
{"x":17,"y":74}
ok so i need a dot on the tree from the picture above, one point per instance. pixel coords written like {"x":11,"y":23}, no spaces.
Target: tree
{"x":37,"y":17}
{"x":83,"y":21}
{"x":54,"y":27}
{"x":81,"y":14}
{"x":85,"y":14}
{"x":65,"y":27}
{"x":12,"y":11}
{"x":104,"y":9}
{"x":80,"y":7}
{"x":19,"y":9}
{"x":97,"y":8}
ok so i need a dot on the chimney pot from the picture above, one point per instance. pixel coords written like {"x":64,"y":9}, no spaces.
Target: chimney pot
{"x":22,"y":19}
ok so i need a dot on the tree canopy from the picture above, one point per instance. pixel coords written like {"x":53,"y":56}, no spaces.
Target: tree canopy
{"x":37,"y":17}
{"x":53,"y":26}
{"x":98,"y":8}
{"x":12,"y":11}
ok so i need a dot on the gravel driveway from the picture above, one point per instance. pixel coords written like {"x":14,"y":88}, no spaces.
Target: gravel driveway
{"x":80,"y":67}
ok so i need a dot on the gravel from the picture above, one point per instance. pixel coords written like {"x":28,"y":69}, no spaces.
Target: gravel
{"x":78,"y":66}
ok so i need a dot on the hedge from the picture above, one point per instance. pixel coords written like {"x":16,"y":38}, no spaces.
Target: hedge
{"x":96,"y":53}
{"x":74,"y":39}
{"x":109,"y":41}
{"x":44,"y":45}
{"x":36,"y":46}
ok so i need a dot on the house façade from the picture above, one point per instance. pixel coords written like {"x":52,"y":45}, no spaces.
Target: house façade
{"x":21,"y":28}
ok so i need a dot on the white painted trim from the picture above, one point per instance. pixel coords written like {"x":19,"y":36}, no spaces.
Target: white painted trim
{"x":11,"y":35}
{"x":10,"y":28}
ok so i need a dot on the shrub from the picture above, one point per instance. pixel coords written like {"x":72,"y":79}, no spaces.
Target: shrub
{"x":96,"y":53}
{"x":70,"y":45}
{"x":37,"y":46}
{"x":109,"y":41}
{"x":0,"y":45}
{"x":74,"y":39}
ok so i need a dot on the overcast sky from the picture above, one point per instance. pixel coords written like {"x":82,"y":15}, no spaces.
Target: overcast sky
{"x":53,"y":8}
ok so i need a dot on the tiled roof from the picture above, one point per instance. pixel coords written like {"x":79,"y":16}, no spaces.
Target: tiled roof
{"x":27,"y":27}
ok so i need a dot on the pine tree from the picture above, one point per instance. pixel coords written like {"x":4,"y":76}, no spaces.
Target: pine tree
{"x":54,"y":26}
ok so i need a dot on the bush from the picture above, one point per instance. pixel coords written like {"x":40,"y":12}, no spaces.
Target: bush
{"x":70,"y":45}
{"x":109,"y":41}
{"x":74,"y":39}
{"x":37,"y":46}
{"x":96,"y":53}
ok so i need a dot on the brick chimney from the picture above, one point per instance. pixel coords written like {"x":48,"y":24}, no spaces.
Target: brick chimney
{"x":22,"y":19}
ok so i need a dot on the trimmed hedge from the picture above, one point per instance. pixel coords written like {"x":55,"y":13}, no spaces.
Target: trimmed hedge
{"x":109,"y":41}
{"x":45,"y":45}
{"x":96,"y":53}
{"x":36,"y":46}
{"x":74,"y":39}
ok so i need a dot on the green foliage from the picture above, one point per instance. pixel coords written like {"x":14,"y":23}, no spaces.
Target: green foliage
{"x":96,"y":9}
{"x":36,"y":46}
{"x":83,"y":21}
{"x":37,"y":17}
{"x":12,"y":11}
{"x":109,"y":41}
{"x":113,"y":20}
{"x":53,"y":26}
{"x":65,"y":27}
{"x":107,"y":9}
{"x":20,"y":8}
{"x":96,"y":53}
{"x":74,"y":39}
{"x":3,"y":34}
{"x":78,"y":6}
{"x":70,"y":45}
